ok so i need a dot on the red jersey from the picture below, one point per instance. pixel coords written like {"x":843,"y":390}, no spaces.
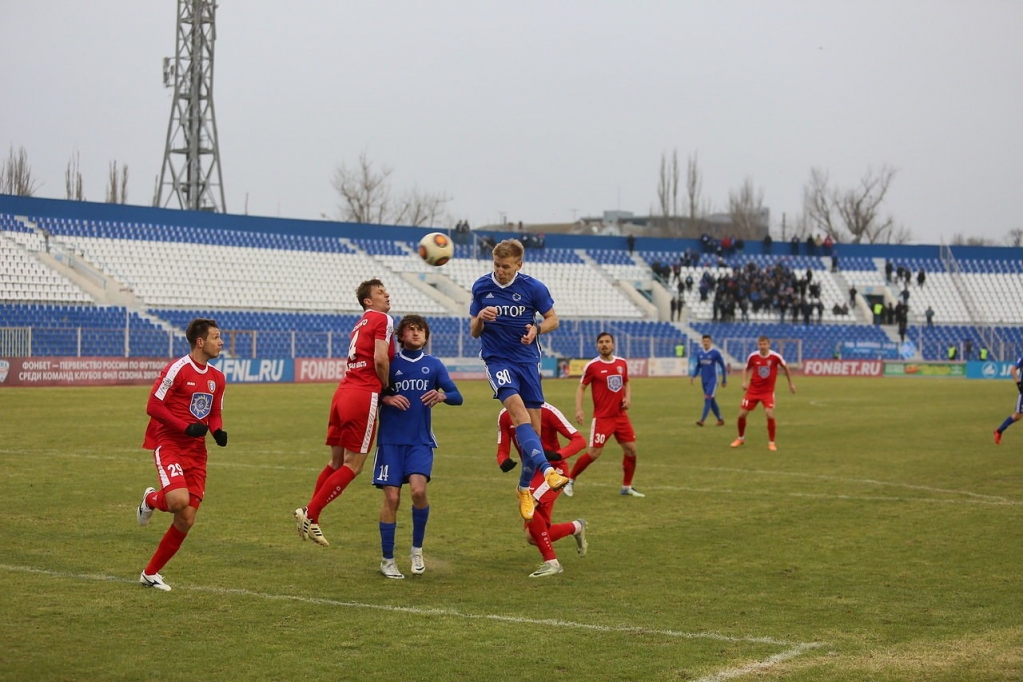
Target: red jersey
{"x":183,"y":394}
{"x":763,"y":372}
{"x":607,"y":382}
{"x":361,"y":371}
{"x":552,"y":423}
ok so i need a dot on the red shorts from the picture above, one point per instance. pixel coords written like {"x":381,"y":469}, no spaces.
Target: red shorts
{"x":177,"y":469}
{"x":603,"y":428}
{"x":353,"y":420}
{"x":750,"y":401}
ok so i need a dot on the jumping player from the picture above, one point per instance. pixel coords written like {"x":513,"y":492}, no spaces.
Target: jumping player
{"x":405,"y":444}
{"x":540,"y":532}
{"x":705,"y":365}
{"x":759,"y":385}
{"x":609,"y":377}
{"x":503,"y":315}
{"x":184,"y":404}
{"x":353,"y":416}
{"x":1015,"y":372}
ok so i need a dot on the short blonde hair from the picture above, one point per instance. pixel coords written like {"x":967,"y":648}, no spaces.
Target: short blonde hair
{"x":509,"y":247}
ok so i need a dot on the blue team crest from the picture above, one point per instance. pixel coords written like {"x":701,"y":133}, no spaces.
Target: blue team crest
{"x":425,"y":370}
{"x":516,"y":297}
{"x":201,"y":404}
{"x":614,"y":383}
{"x":764,"y":372}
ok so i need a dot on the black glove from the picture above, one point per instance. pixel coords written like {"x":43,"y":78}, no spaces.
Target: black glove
{"x":221,"y":436}
{"x":197,"y":430}
{"x":552,"y":456}
{"x":1019,"y":389}
{"x":508,"y":465}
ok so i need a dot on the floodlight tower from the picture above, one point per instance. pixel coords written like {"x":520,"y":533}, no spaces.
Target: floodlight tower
{"x":191,"y":168}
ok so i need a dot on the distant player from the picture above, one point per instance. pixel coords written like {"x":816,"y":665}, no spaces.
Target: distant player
{"x":707,"y":363}
{"x":353,"y":416}
{"x":759,"y":385}
{"x":540,"y":532}
{"x":608,"y":376}
{"x":405,"y":444}
{"x":1015,"y":372}
{"x":503,"y":315}
{"x":184,"y":404}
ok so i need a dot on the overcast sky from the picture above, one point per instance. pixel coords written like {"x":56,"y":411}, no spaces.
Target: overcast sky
{"x":542,"y":110}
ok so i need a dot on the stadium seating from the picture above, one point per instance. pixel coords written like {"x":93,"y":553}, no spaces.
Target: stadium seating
{"x":277,"y":293}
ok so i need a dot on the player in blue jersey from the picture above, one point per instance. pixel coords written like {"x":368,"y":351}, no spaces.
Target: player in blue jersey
{"x":405,"y":442}
{"x":707,"y":363}
{"x":503,"y":315}
{"x":1015,"y":371}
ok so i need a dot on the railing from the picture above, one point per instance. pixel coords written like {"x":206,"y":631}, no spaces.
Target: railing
{"x":249,"y":343}
{"x":985,"y":331}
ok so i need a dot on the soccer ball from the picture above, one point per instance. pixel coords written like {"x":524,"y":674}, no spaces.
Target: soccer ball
{"x":436,"y":248}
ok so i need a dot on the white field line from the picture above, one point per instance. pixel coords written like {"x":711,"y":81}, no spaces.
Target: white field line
{"x":973,"y":498}
{"x":451,"y":613}
{"x":758,"y":666}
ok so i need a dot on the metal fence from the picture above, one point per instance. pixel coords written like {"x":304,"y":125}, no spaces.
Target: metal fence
{"x":248,"y":343}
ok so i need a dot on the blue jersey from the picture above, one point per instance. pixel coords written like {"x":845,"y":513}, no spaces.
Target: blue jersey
{"x":413,"y":374}
{"x":518,"y":304}
{"x":705,"y":365}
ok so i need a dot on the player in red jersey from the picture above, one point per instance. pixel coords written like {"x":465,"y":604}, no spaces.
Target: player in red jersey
{"x":184,"y":404}
{"x":540,"y":532}
{"x":353,"y":417}
{"x":609,"y":377}
{"x":759,"y":385}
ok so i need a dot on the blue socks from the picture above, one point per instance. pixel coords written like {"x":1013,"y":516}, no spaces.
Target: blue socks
{"x":532,"y":452}
{"x":711,"y":405}
{"x":387,"y":540}
{"x":1006,"y":424}
{"x":419,"y":525}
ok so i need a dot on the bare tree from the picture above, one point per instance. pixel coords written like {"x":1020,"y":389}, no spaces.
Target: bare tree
{"x":421,"y":209}
{"x":117,"y":188}
{"x":16,"y":175}
{"x":1014,"y":237}
{"x":367,"y":198}
{"x":746,"y":208}
{"x":73,"y":179}
{"x":860,"y":209}
{"x":819,"y":207}
{"x":852,"y":215}
{"x":668,"y":191}
{"x":694,"y":186}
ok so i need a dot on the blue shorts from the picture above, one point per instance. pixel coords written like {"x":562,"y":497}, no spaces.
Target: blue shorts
{"x":710,"y":387}
{"x":522,"y":378}
{"x":393,"y":464}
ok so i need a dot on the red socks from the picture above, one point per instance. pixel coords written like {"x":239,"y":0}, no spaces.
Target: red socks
{"x":168,"y":547}
{"x":157,"y":500}
{"x":324,"y":475}
{"x":771,"y":430}
{"x":581,"y":465}
{"x":332,"y":486}
{"x":741,"y":425}
{"x":558,"y":531}
{"x":628,"y":467}
{"x":541,"y":537}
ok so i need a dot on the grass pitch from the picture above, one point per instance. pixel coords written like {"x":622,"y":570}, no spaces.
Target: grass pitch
{"x":881,"y":542}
